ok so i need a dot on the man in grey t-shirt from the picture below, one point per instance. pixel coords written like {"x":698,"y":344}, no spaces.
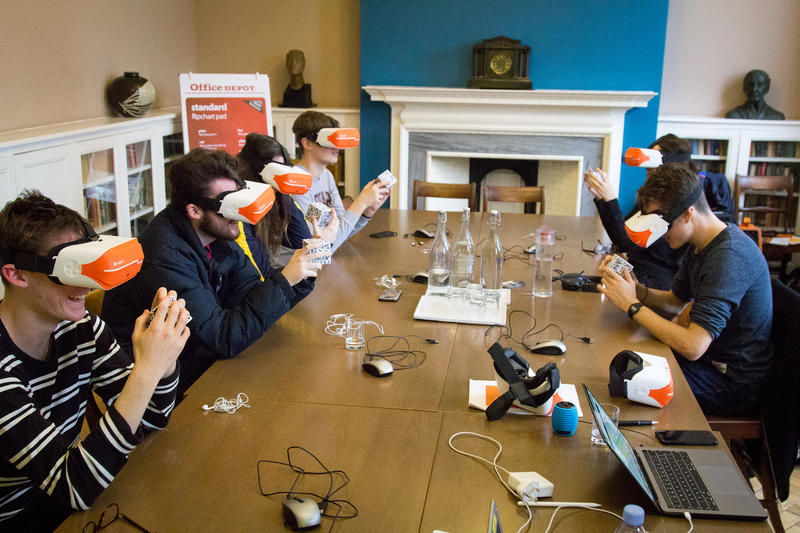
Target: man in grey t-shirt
{"x":722,"y":338}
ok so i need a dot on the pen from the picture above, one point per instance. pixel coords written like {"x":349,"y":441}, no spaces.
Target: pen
{"x":623,"y":423}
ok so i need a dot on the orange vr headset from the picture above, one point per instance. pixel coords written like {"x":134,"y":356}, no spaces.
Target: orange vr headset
{"x":286,"y":178}
{"x":338,"y":137}
{"x":643,"y":157}
{"x":248,"y":204}
{"x":645,"y":229}
{"x":94,"y":262}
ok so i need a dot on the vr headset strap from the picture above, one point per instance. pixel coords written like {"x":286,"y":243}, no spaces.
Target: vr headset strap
{"x":624,"y":366}
{"x":33,"y":262}
{"x":685,"y":204}
{"x":516,"y":387}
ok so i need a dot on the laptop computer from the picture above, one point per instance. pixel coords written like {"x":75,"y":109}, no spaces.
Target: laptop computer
{"x":494,"y":520}
{"x":711,"y":488}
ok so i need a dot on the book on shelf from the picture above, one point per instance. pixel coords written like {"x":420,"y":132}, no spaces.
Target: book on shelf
{"x":775,"y":149}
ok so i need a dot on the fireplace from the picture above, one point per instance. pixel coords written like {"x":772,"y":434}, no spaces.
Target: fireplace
{"x":563,"y":132}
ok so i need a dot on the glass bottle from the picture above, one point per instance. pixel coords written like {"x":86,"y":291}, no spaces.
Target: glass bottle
{"x":439,"y":261}
{"x":463,"y":254}
{"x":632,"y":520}
{"x":545,"y":249}
{"x":492,"y":259}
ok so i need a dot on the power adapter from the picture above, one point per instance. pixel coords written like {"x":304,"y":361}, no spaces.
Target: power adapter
{"x":530,"y":485}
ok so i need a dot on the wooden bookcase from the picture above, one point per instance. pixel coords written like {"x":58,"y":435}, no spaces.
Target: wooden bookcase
{"x":744,"y":147}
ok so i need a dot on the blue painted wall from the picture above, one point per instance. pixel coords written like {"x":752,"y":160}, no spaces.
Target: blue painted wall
{"x":575,"y":44}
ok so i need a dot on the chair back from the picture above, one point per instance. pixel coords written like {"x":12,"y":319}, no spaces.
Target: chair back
{"x":430,"y":189}
{"x":773,"y":203}
{"x":498,"y":193}
{"x":94,"y":301}
{"x":781,"y":402}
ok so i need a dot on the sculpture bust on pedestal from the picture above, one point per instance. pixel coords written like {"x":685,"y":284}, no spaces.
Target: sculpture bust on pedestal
{"x":297,"y":93}
{"x":756,"y":85}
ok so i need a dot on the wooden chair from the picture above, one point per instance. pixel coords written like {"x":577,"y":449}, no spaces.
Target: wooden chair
{"x":776,"y":428}
{"x":496,"y":193}
{"x":784,"y":217}
{"x":753,"y":185}
{"x":429,"y":189}
{"x":94,"y":303}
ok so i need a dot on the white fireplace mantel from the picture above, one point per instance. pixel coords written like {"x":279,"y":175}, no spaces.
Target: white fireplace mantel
{"x":494,"y":111}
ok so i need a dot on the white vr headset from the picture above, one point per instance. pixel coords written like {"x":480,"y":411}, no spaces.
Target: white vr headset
{"x":641,"y":377}
{"x":248,"y":204}
{"x":286,"y":178}
{"x":94,"y":262}
{"x":645,"y":229}
{"x":338,"y":137}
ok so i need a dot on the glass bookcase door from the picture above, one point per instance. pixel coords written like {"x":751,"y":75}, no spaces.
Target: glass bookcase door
{"x":140,"y":185}
{"x":99,"y":190}
{"x":173,"y":150}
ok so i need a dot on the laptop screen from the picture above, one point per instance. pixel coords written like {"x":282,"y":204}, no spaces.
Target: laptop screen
{"x":618,"y":444}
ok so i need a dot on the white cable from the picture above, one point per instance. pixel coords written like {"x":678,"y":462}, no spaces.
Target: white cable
{"x":494,"y":464}
{"x":550,"y":524}
{"x":222,"y":405}
{"x":337,"y":324}
{"x":688,"y":517}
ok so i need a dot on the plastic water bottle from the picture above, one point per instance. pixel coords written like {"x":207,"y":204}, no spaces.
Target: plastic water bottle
{"x":463,"y":254}
{"x":545,"y":249}
{"x":439,"y":261}
{"x":492,"y":260}
{"x":632,"y":520}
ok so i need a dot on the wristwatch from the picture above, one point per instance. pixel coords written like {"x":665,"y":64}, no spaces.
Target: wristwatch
{"x":634,"y":308}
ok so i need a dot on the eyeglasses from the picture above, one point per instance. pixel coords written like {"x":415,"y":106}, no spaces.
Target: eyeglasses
{"x":110,"y":515}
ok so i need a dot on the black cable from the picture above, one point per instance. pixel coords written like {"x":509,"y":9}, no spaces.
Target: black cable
{"x":324,"y":501}
{"x":401,"y":359}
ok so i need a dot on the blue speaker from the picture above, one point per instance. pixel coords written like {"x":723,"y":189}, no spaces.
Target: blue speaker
{"x":564,"y":419}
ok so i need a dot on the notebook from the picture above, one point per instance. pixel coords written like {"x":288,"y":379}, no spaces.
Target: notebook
{"x":720,"y":491}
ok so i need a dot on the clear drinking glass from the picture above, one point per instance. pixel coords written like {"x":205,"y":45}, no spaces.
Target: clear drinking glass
{"x":354,"y":334}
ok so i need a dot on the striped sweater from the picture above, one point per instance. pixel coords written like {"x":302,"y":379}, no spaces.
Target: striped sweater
{"x":42,"y":405}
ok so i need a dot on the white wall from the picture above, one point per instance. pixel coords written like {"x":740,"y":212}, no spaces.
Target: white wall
{"x":712,"y":44}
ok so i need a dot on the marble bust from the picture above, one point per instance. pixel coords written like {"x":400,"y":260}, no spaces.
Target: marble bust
{"x":756,"y":85}
{"x":297,"y":93}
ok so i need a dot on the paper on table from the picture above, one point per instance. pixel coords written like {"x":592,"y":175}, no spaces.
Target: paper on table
{"x":784,"y":240}
{"x":456,"y":309}
{"x":484,"y":392}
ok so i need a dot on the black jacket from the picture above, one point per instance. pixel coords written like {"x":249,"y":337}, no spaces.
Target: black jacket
{"x":230,"y":307}
{"x":654,"y":266}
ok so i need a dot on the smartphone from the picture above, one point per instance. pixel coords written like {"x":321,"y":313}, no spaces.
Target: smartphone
{"x":390,"y":295}
{"x":686,"y":437}
{"x":383,"y":234}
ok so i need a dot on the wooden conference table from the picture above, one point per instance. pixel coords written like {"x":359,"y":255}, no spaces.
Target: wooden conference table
{"x":391,"y":434}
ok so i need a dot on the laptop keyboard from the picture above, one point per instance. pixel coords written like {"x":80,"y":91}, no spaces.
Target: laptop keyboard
{"x":679,"y":480}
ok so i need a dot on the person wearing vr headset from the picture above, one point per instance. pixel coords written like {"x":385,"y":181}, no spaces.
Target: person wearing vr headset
{"x":722,"y":340}
{"x":656,"y":265}
{"x":190,"y":246}
{"x":55,"y":354}
{"x":319,"y":140}
{"x":273,"y":240}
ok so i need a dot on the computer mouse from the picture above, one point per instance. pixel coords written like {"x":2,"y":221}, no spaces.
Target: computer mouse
{"x":424,"y":233}
{"x":301,"y":514}
{"x":550,"y":347}
{"x":377,"y":366}
{"x":420,"y":277}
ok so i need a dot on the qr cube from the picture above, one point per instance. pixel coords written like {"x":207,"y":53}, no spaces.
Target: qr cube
{"x":323,"y":213}
{"x":315,"y":245}
{"x":618,"y":265}
{"x":387,"y":178}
